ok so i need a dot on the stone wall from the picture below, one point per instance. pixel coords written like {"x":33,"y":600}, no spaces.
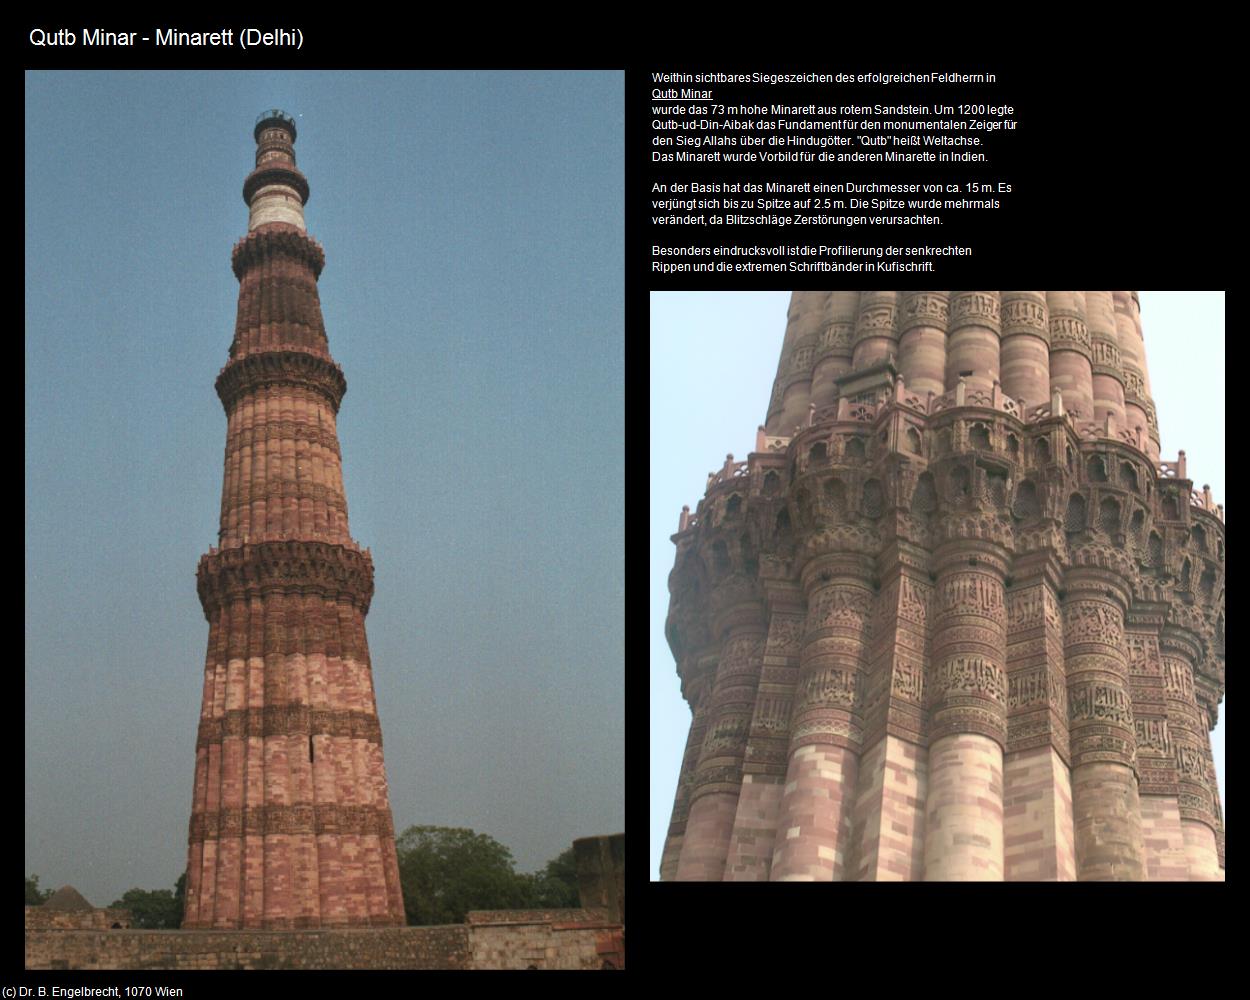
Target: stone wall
{"x":373,"y":948}
{"x":601,"y":873}
{"x":521,"y":939}
{"x":46,"y":918}
{"x":493,"y":939}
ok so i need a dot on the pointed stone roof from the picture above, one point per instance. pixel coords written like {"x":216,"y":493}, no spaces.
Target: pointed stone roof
{"x":67,"y":898}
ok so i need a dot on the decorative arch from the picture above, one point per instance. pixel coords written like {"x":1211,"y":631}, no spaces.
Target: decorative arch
{"x":1128,"y":476}
{"x":996,"y":487}
{"x":961,"y":483}
{"x":1075,"y":517}
{"x":1154,"y":550}
{"x":1026,"y":506}
{"x":835,"y":500}
{"x":924,"y":499}
{"x":1109,"y":516}
{"x":874,"y":499}
{"x":1198,"y":538}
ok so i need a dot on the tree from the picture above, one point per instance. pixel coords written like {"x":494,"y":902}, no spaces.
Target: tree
{"x":555,"y":887}
{"x":33,"y":896}
{"x":445,"y":872}
{"x":158,"y":909}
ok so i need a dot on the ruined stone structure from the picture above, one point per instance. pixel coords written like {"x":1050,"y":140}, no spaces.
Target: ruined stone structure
{"x":953,"y":618}
{"x":291,"y":823}
{"x":66,"y":909}
{"x":66,"y":932}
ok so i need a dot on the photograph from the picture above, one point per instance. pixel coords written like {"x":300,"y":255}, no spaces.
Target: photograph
{"x":937,"y":586}
{"x":255,"y":302}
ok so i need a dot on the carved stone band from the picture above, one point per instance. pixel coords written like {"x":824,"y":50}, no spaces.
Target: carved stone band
{"x":289,"y":720}
{"x":249,"y":373}
{"x":305,"y":818}
{"x":277,"y":174}
{"x":291,"y":566}
{"x":975,"y":309}
{"x":262,"y":243}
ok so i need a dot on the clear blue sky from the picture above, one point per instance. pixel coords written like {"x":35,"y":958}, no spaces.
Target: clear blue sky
{"x":713,"y":359}
{"x":474,"y":296}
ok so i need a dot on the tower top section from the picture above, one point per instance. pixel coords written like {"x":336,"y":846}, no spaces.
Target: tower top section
{"x":274,"y":118}
{"x":275,"y":191}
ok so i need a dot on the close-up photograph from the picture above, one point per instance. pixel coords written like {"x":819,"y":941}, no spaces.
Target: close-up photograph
{"x":951,"y":606}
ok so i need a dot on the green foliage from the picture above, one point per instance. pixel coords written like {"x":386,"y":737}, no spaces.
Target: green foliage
{"x":555,"y":887}
{"x":446,"y":872}
{"x":158,"y":909}
{"x":33,"y":896}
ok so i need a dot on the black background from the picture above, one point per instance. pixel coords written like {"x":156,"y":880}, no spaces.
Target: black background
{"x":1125,"y":169}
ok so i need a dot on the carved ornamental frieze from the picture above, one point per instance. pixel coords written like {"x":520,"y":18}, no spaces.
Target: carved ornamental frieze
{"x":959,"y":559}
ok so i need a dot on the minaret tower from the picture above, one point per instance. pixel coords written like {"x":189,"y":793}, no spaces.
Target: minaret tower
{"x":953,"y":619}
{"x":291,"y":823}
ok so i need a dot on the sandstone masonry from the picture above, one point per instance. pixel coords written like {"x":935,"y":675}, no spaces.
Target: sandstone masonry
{"x":953,"y":619}
{"x":290,"y":821}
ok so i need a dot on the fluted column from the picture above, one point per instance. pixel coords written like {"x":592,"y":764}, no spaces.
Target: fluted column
{"x":813,"y":834}
{"x":1071,"y":371}
{"x":718,"y":775}
{"x":753,"y":840}
{"x":894,"y":766}
{"x":1025,"y":359}
{"x":1105,"y":804}
{"x":876,"y":328}
{"x":1181,"y":649}
{"x":834,"y":351}
{"x":973,"y":340}
{"x":1159,"y":789}
{"x":967,"y":715}
{"x":923,"y":322}
{"x":792,"y":388}
{"x":1107,"y":367}
{"x":1151,"y":417}
{"x":1214,"y":784}
{"x":1037,"y":790}
{"x":1138,"y":403}
{"x":696,"y":695}
{"x":1209,"y":692}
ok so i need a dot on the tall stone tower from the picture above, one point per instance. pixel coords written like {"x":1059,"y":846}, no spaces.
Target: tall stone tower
{"x":953,"y":619}
{"x":291,"y":822}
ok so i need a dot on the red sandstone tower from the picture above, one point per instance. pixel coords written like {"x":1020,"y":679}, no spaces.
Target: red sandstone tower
{"x":953,"y":619}
{"x":290,"y":823}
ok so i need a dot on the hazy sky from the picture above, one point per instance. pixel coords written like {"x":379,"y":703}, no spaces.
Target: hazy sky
{"x":713,"y":359}
{"x":473,"y":294}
